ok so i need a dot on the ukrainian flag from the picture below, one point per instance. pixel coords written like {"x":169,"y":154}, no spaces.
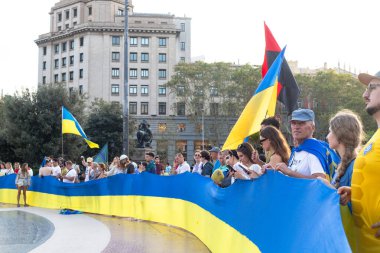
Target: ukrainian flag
{"x":71,"y":126}
{"x":261,"y":105}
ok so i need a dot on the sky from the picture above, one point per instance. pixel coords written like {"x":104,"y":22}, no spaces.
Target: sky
{"x":315,"y":32}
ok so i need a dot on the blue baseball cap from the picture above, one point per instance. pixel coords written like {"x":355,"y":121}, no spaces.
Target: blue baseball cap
{"x":303,"y":115}
{"x":215,"y":149}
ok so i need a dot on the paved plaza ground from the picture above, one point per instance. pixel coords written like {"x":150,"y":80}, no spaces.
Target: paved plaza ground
{"x":32,"y":229}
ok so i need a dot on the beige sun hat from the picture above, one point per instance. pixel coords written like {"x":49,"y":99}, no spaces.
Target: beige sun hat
{"x":365,"y":78}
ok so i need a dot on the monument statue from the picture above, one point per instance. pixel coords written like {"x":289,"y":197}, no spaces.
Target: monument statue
{"x":144,"y":135}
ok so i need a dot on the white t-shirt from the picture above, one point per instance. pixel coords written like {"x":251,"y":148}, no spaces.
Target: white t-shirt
{"x":306,"y":164}
{"x":238,"y":167}
{"x":71,"y":173}
{"x":56,"y":171}
{"x":182,"y":168}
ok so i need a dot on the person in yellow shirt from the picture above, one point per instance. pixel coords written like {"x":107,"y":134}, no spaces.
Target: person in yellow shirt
{"x":364,"y":192}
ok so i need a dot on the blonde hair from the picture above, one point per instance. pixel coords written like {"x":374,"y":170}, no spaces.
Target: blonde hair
{"x":348,"y":129}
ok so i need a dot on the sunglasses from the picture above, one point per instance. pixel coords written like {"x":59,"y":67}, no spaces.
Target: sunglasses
{"x":228,"y":157}
{"x":262,"y":140}
{"x":372,"y":86}
{"x":198,"y":155}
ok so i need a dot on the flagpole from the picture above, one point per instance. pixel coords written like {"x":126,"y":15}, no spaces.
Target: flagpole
{"x":62,"y":129}
{"x":125,"y":100}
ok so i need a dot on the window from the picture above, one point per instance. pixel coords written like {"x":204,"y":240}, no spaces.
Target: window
{"x":115,"y":89}
{"x":44,"y":80}
{"x":59,"y":28}
{"x":116,"y":56}
{"x":144,"y":41}
{"x":74,"y":23}
{"x":180,"y":90}
{"x":59,"y":17}
{"x":132,"y":108}
{"x":64,"y":62}
{"x":133,"y":90}
{"x":144,"y":90}
{"x":89,"y":10}
{"x":71,"y":75}
{"x":144,"y":57}
{"x":64,"y":46}
{"x":182,"y":27}
{"x":162,"y":90}
{"x":81,"y":41}
{"x":214,"y":109}
{"x":71,"y":59}
{"x":71,"y":90}
{"x":56,"y":78}
{"x":56,"y":63}
{"x":120,"y":12}
{"x":161,"y":57}
{"x":182,"y":59}
{"x":213,"y":92}
{"x":144,"y":73}
{"x":162,"y":42}
{"x":81,"y":57}
{"x":115,"y":73}
{"x":115,"y":40}
{"x":133,"y":57}
{"x":67,"y":13}
{"x":75,"y":12}
{"x":80,"y":73}
{"x":161,"y":108}
{"x":56,"y":48}
{"x":133,"y":41}
{"x":80,"y":89}
{"x":67,"y":26}
{"x":144,"y":108}
{"x":183,"y":46}
{"x":63,"y":77}
{"x":162,"y":73}
{"x":44,"y":50}
{"x":133,"y":73}
{"x":181,"y":109}
{"x":43,"y":65}
{"x":71,"y":44}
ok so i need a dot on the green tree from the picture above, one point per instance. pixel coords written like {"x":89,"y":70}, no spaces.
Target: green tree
{"x":219,"y":90}
{"x":105,"y":125}
{"x":32,"y":123}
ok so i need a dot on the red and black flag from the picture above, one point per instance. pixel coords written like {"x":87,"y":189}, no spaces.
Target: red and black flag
{"x":288,"y":91}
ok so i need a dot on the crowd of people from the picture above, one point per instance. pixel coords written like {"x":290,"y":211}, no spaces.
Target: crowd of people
{"x":340,"y":162}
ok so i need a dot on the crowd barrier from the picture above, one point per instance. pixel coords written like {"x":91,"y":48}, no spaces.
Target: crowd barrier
{"x":274,"y":213}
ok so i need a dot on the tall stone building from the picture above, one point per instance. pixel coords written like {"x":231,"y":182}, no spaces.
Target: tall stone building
{"x":85,"y":50}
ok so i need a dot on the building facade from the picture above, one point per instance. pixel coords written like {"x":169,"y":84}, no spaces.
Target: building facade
{"x":85,"y":50}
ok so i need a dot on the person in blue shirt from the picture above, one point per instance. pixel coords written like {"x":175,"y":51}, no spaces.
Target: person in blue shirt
{"x":345,"y":136}
{"x":149,"y":158}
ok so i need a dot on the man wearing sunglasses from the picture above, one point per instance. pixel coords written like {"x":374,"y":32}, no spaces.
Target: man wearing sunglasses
{"x":364,"y":192}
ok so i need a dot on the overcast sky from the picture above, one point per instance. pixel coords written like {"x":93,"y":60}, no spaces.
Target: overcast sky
{"x":232,"y":31}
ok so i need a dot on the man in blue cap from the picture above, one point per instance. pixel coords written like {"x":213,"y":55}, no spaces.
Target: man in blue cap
{"x":310,"y":157}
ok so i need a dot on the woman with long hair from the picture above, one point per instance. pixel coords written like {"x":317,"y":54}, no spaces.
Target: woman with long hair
{"x":247,"y":165}
{"x":274,"y":142}
{"x":22,"y":183}
{"x":345,"y":136}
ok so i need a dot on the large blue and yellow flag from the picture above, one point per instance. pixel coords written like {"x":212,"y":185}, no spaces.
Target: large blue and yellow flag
{"x":274,"y":213}
{"x":71,"y":126}
{"x":261,"y":105}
